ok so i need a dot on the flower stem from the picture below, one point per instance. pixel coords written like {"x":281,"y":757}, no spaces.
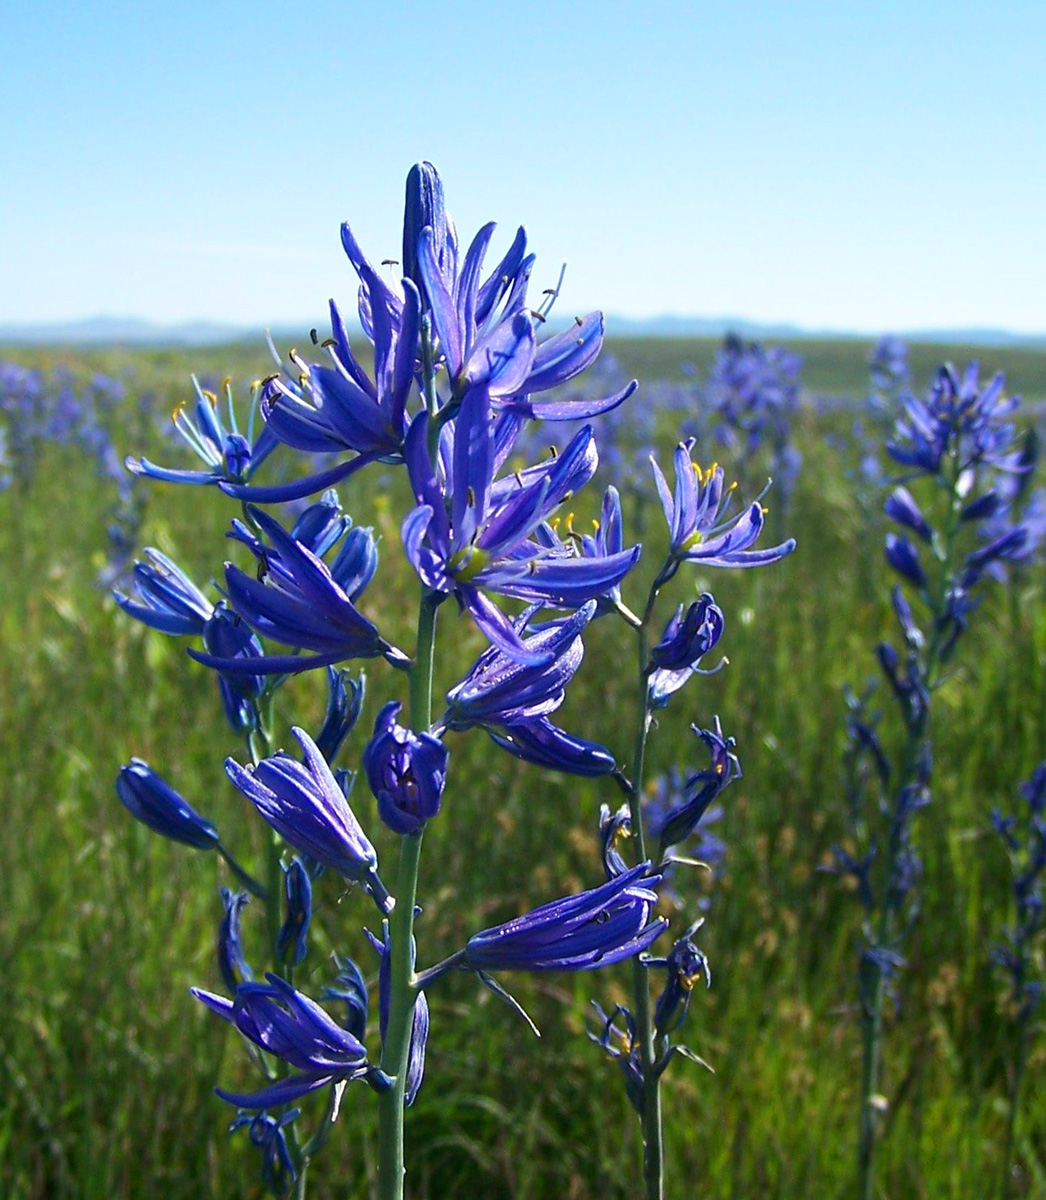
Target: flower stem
{"x":402,"y":990}
{"x":653,"y":1144}
{"x":872,"y":983}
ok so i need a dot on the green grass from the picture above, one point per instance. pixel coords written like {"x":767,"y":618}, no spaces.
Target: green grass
{"x":108,"y":1064}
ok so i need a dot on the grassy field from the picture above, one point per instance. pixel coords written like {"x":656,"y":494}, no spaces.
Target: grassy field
{"x":109,"y":1064}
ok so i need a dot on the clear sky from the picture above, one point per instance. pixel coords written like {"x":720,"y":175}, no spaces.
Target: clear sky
{"x":860,"y":166}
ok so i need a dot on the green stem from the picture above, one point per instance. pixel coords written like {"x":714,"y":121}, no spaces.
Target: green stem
{"x":653,"y":1143}
{"x":402,"y":991}
{"x":873,"y":982}
{"x":1015,"y":1107}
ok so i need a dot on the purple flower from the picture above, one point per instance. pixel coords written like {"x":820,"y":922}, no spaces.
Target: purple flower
{"x":151,"y":799}
{"x":168,"y":600}
{"x":232,"y":962}
{"x":267,"y":1134}
{"x":300,"y":603}
{"x":900,"y":506}
{"x":904,"y":558}
{"x":689,"y":635}
{"x":344,"y":705}
{"x":623,"y":1044}
{"x":290,"y":1026}
{"x":685,"y":965}
{"x":959,"y":420}
{"x":701,"y":531}
{"x":229,"y":456}
{"x":702,"y":787}
{"x":511,"y":699}
{"x":307,"y":808}
{"x":292,"y":938}
{"x":406,"y":772}
{"x":484,"y":542}
{"x":592,"y":929}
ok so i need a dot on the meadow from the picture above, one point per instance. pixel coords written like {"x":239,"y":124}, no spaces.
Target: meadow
{"x":108,"y":1063}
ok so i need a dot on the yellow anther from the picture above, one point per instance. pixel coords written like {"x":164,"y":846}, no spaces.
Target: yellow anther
{"x":595,"y":525}
{"x":212,"y":398}
{"x":255,"y":385}
{"x":732,"y":486}
{"x":765,"y":510}
{"x":179,"y":409}
{"x":227,"y":384}
{"x":719,"y":768}
{"x":555,"y":524}
{"x":570,"y":523}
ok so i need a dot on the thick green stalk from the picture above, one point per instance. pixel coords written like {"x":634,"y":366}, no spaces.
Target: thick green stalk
{"x":402,"y":992}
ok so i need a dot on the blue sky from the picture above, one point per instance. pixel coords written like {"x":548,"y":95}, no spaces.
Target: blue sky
{"x":834,"y":165}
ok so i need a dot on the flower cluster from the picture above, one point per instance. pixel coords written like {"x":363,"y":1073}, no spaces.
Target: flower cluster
{"x":458,"y":376}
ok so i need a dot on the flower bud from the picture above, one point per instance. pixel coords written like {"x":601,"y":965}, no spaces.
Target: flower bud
{"x":406,"y":772}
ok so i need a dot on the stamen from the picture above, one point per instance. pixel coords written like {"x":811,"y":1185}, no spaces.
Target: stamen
{"x":314,"y":337}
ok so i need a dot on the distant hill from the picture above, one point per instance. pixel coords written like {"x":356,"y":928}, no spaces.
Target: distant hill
{"x":98,"y":331}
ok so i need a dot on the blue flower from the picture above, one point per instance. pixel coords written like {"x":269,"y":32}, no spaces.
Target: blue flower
{"x":299,"y":603}
{"x":307,"y":808}
{"x":685,"y":965}
{"x":406,"y":772}
{"x":546,"y":745}
{"x":168,"y":600}
{"x":701,"y":788}
{"x":959,"y":420}
{"x":290,"y":1026}
{"x":335,"y":408}
{"x":511,"y":699}
{"x":232,"y":963}
{"x":592,"y":929}
{"x":623,"y":1045}
{"x":484,"y":542}
{"x":904,"y":558}
{"x":350,"y":989}
{"x":228,"y":454}
{"x":900,"y":506}
{"x":700,"y":529}
{"x":267,"y":1134}
{"x":689,"y":635}
{"x":344,"y":705}
{"x":292,"y":938}
{"x":155,"y":803}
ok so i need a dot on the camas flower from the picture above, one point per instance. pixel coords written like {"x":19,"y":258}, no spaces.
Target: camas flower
{"x":685,"y":965}
{"x":483,"y":543}
{"x":289,"y":1025}
{"x":168,"y":600}
{"x":700,"y":529}
{"x":292,"y":938}
{"x":228,"y":454}
{"x":406,"y":772}
{"x":232,"y":962}
{"x":689,"y":635}
{"x":959,"y":420}
{"x":592,"y":929}
{"x":702,"y":787}
{"x":300,"y":603}
{"x":307,"y":808}
{"x":511,"y":699}
{"x":151,"y":799}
